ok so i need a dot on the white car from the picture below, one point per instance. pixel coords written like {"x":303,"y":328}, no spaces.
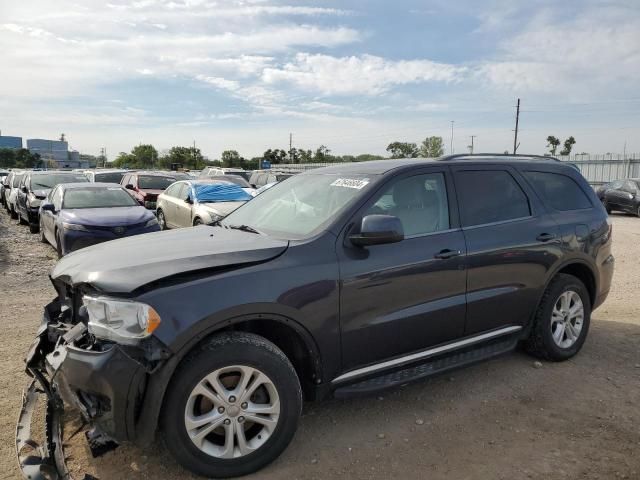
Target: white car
{"x":195,"y":202}
{"x":12,"y":194}
{"x":209,"y":172}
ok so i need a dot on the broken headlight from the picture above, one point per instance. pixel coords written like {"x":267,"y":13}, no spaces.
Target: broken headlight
{"x":121,"y":321}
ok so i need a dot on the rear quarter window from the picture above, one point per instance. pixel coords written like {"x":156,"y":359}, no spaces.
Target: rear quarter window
{"x":560,"y":191}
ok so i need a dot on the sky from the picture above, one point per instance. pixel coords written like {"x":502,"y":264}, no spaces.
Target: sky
{"x":352,"y":75}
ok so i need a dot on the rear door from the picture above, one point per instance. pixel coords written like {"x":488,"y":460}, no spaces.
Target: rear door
{"x":511,"y":244}
{"x":404,"y":297}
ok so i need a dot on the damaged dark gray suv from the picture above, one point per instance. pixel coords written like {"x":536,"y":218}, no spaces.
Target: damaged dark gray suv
{"x":340,"y":281}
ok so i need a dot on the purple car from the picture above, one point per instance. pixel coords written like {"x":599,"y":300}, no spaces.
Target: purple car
{"x":76,"y":215}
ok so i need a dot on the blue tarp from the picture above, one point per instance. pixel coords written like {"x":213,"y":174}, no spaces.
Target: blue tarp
{"x":220,"y":192}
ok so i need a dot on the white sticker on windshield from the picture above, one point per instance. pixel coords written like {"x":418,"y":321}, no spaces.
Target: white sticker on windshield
{"x":357,"y":183}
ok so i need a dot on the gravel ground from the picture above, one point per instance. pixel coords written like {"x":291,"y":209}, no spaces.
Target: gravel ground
{"x":504,"y":419}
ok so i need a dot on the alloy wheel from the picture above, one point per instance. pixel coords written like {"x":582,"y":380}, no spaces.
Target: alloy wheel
{"x":567,"y":319}
{"x":232,"y":412}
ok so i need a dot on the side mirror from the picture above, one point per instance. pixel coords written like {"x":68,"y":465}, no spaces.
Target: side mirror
{"x":377,"y":230}
{"x":129,"y":186}
{"x":48,"y":207}
{"x":188,"y":200}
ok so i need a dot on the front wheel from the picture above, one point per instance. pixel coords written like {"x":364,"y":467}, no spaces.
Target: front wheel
{"x":232,"y":407}
{"x":197,"y":221}
{"x":162,"y":220}
{"x":562,"y":320}
{"x":607,"y":207}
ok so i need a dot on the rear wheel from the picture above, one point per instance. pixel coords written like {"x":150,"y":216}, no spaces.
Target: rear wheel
{"x":34,"y":227}
{"x":562,"y":320}
{"x":161,"y":220}
{"x":232,"y":406}
{"x":58,"y":245}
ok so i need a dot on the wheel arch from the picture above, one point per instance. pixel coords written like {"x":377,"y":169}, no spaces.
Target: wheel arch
{"x":287,"y":334}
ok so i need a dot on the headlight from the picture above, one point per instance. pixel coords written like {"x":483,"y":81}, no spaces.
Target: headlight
{"x":151,"y":223}
{"x":74,"y":226}
{"x":121,"y":321}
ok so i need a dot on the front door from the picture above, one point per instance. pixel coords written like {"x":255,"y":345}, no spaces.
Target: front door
{"x":404,"y":297}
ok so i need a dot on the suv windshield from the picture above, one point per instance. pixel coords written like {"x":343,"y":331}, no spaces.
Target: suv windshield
{"x":154,"y":182}
{"x":97,"y":198}
{"x":109,"y":177}
{"x":302,"y":206}
{"x":50,"y":180}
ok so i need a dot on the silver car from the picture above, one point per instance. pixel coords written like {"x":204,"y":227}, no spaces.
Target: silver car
{"x":195,"y":202}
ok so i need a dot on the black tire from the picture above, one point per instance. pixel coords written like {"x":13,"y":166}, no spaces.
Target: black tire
{"x":607,"y":207}
{"x":197,"y":221}
{"x":20,"y":220}
{"x":224,"y":350}
{"x":58,"y":245}
{"x":540,"y":342}
{"x":162,"y":221}
{"x":638,"y":211}
{"x":34,"y":227}
{"x":12,"y":213}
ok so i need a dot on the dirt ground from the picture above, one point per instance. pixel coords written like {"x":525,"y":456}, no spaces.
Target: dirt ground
{"x":503,"y":419}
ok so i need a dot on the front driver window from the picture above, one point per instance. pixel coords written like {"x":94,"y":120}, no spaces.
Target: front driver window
{"x":420,"y":202}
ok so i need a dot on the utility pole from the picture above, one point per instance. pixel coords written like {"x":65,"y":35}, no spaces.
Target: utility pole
{"x":515,"y":137}
{"x":471,"y":146}
{"x":290,"y":145}
{"x":451,"y":149}
{"x":195,"y":158}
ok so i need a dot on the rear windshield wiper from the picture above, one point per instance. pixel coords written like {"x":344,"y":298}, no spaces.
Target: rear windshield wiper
{"x":244,"y":228}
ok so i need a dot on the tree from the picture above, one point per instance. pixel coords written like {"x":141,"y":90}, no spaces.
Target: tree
{"x":365,"y":157}
{"x":230,"y":159}
{"x":275,"y":156}
{"x":322,"y":155}
{"x":188,"y":157}
{"x":568,"y":145}
{"x":432,"y":147}
{"x":403,"y":150}
{"x":7,"y":157}
{"x":141,"y":156}
{"x":552,"y":143}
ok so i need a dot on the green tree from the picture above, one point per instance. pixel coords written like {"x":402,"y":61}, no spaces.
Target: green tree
{"x":231,"y":159}
{"x":552,"y":144}
{"x":568,"y":145}
{"x":432,"y":147}
{"x":365,"y":157}
{"x":26,"y":159}
{"x":275,"y":156}
{"x":141,"y":156}
{"x":188,"y":157}
{"x":322,"y":155}
{"x":7,"y":157}
{"x":403,"y":150}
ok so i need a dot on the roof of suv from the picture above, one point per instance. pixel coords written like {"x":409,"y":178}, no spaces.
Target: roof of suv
{"x":378,"y":167}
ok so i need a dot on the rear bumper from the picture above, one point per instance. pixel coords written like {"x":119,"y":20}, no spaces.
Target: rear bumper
{"x":606,"y":275}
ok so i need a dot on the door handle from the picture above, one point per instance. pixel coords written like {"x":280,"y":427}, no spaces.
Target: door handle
{"x":545,"y":237}
{"x":447,"y":253}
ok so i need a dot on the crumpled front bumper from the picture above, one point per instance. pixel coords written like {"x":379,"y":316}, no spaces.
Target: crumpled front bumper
{"x":100,"y":380}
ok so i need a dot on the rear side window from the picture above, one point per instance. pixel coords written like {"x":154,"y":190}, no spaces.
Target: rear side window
{"x":488,"y":196}
{"x":561,"y":191}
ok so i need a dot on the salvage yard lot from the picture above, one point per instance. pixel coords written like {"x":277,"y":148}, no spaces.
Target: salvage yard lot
{"x":500,"y":419}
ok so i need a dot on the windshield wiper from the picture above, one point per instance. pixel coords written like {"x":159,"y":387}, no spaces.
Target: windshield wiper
{"x":244,"y":228}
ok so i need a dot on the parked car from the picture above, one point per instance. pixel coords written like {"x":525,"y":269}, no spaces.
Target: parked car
{"x":260,"y":178}
{"x":34,"y":187}
{"x":146,"y":186}
{"x":607,"y":186}
{"x":622,"y":195}
{"x":3,"y":182}
{"x":105,"y":175}
{"x":194,"y":202}
{"x":77,"y":215}
{"x":240,"y":181}
{"x":265,"y":188}
{"x":217,"y":171}
{"x":11,"y":192}
{"x":340,"y":281}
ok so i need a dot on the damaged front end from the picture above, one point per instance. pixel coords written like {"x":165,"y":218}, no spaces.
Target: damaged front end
{"x":74,"y":370}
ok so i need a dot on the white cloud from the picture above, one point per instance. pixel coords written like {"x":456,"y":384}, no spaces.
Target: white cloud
{"x":358,"y":75}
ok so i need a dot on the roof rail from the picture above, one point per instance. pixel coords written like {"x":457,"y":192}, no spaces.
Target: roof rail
{"x":518,"y":156}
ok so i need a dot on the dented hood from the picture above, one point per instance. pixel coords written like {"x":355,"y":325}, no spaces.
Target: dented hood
{"x":121,"y":266}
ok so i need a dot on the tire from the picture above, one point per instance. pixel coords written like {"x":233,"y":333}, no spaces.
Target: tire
{"x":58,"y":245}
{"x":638,"y":211}
{"x":12,"y":213}
{"x":607,"y":208}
{"x":34,"y":228}
{"x":197,"y":221}
{"x":231,"y":351}
{"x":541,"y":342}
{"x":43,"y":239}
{"x":162,"y":220}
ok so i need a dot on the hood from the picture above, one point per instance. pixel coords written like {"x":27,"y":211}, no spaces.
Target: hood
{"x":221,"y":208}
{"x":123,"y":265}
{"x":107,"y":217}
{"x":42,"y":193}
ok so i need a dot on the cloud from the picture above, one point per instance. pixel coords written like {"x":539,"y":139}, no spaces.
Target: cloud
{"x":358,"y":75}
